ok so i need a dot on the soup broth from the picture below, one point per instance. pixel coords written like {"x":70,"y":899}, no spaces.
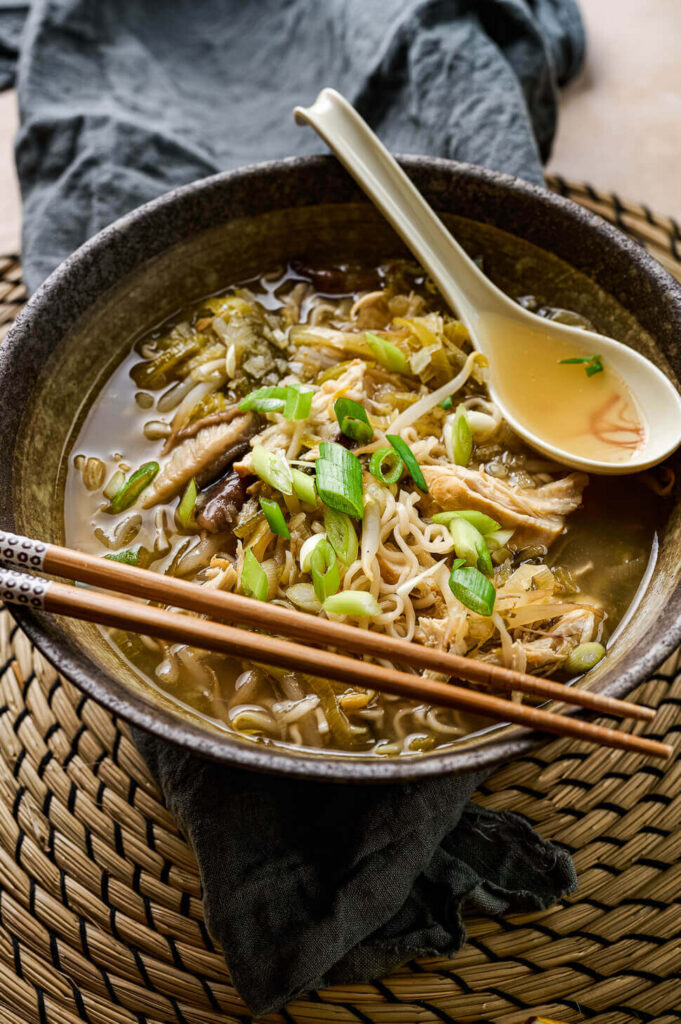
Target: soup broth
{"x":168,"y":472}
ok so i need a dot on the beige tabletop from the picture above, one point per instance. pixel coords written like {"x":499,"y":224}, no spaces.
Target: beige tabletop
{"x":620,"y":125}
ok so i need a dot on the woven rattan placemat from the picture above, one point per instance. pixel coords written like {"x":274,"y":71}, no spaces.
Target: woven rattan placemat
{"x":100,"y":901}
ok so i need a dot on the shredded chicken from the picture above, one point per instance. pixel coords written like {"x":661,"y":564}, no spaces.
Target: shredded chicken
{"x":536,"y":515}
{"x":194,"y":455}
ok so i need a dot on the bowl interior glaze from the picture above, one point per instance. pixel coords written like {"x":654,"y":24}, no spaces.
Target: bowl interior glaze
{"x":202,"y":238}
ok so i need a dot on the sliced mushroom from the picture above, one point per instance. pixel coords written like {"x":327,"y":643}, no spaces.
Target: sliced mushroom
{"x":198,"y":455}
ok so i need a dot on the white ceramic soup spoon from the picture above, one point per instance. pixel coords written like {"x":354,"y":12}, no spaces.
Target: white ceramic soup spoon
{"x":579,"y":397}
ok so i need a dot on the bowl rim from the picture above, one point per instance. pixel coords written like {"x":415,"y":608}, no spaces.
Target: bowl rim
{"x":136,"y":708}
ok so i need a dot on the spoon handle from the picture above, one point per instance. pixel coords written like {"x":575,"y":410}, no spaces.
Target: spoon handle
{"x":364,"y":156}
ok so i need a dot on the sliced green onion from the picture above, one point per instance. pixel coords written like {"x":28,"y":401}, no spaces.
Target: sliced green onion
{"x":353,"y":420}
{"x":409,"y":460}
{"x":485,"y":524}
{"x":592,"y":364}
{"x":341,"y":534}
{"x":446,"y":403}
{"x":498,"y":539}
{"x":254,"y":581}
{"x":473,"y":589}
{"x":303,"y":595}
{"x":132,"y":488}
{"x":114,"y":485}
{"x":324,"y":569}
{"x":304,"y":487}
{"x":458,"y":437}
{"x":389,"y":474}
{"x":185,"y":509}
{"x":306,"y":549}
{"x":387,"y":354}
{"x":273,"y":468}
{"x":470,"y":544}
{"x":265,"y":400}
{"x":339,"y":479}
{"x":128,"y":557}
{"x":275,"y":518}
{"x":298,"y":404}
{"x":357,"y":603}
{"x":584,"y":657}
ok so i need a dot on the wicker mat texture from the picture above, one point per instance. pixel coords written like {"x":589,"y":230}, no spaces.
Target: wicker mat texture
{"x":100,"y":901}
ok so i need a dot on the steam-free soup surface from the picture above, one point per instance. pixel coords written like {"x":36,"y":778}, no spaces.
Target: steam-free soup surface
{"x":167,"y":472}
{"x":544,"y":383}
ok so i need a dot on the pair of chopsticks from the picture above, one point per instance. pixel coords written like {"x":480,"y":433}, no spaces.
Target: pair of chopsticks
{"x":108,"y":610}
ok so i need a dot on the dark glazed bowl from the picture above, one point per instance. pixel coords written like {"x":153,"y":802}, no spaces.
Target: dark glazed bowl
{"x":197,"y":239}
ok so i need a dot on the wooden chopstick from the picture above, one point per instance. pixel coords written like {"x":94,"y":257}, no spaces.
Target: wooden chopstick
{"x":273,"y":618}
{"x":108,"y":610}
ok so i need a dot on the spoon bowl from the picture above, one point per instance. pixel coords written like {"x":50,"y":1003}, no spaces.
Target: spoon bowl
{"x":581,"y":398}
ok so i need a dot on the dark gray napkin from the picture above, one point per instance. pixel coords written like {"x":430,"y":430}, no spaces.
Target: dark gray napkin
{"x":305,"y":883}
{"x":308,"y":884}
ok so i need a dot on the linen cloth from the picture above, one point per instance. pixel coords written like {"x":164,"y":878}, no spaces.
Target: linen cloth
{"x":305,"y":883}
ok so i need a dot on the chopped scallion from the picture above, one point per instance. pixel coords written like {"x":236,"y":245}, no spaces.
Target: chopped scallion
{"x":132,"y":488}
{"x":353,"y":420}
{"x":254,"y":581}
{"x":356,"y":603}
{"x":470,"y":544}
{"x":273,"y":468}
{"x":584,"y":657}
{"x":275,"y":518}
{"x":592,"y":364}
{"x":485,"y":524}
{"x":409,"y":460}
{"x":498,"y":539}
{"x":114,"y":485}
{"x":324,"y":569}
{"x":304,"y":487}
{"x":341,"y":534}
{"x":185,"y":509}
{"x":339,"y":479}
{"x":386,"y":465}
{"x":265,"y":400}
{"x":446,"y":403}
{"x":307,"y":548}
{"x":387,"y":354}
{"x":128,"y":557}
{"x":473,"y":589}
{"x":458,"y":437}
{"x":298,"y":404}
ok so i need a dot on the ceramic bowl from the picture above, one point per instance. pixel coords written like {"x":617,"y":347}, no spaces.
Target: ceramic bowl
{"x":223,"y":229}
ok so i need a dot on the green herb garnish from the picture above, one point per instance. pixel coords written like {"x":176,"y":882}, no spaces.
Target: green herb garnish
{"x":386,"y":466}
{"x":339,"y":479}
{"x":324,"y":569}
{"x":387,"y":354}
{"x":485,"y":524}
{"x":409,"y":460}
{"x":185,"y":509}
{"x":254,"y":581}
{"x":291,"y":401}
{"x":298,"y":404}
{"x":458,"y":438}
{"x":341,"y":534}
{"x":592,"y":364}
{"x":265,"y":400}
{"x":473,"y":589}
{"x":446,"y":403}
{"x":273,"y":468}
{"x":303,"y":485}
{"x":128,"y":557}
{"x":353,"y":420}
{"x":132,"y":488}
{"x":357,"y":603}
{"x":275,"y":518}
